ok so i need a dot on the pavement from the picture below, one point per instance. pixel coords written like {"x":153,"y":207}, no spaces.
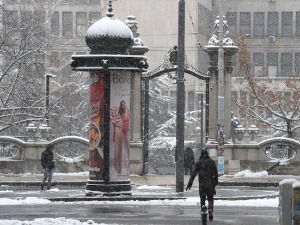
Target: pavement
{"x":163,"y":187}
{"x":80,"y":179}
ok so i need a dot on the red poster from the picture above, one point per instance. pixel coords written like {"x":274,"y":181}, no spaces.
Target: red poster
{"x":119,"y":125}
{"x":96,"y":162}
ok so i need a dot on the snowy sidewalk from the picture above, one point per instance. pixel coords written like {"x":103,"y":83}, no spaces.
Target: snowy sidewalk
{"x":71,"y":187}
{"x":244,"y":178}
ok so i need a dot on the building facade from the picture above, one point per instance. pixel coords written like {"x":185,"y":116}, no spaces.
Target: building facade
{"x":271,"y":29}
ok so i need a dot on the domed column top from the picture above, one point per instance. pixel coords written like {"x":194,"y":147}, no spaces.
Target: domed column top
{"x":109,"y":35}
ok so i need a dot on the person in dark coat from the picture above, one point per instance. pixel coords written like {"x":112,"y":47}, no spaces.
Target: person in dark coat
{"x":189,"y":160}
{"x":208,"y":179}
{"x":48,"y":165}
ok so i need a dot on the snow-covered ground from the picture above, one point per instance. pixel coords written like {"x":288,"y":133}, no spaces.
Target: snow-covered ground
{"x":64,"y":221}
{"x":268,"y":202}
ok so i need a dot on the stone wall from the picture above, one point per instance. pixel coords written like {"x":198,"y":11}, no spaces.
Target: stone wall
{"x":253,"y":156}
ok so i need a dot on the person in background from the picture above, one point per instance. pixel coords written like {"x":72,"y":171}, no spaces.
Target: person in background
{"x":208,"y":179}
{"x":48,"y":165}
{"x":189,"y":160}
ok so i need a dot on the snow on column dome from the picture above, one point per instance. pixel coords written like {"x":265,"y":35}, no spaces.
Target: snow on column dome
{"x":109,"y":35}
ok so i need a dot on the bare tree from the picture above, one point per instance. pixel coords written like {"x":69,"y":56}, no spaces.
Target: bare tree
{"x":273,"y":103}
{"x":22,"y":41}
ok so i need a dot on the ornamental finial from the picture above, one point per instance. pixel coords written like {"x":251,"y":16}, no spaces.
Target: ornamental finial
{"x":110,"y":9}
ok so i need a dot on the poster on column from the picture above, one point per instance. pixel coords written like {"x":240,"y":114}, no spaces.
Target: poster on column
{"x":119,"y":125}
{"x":96,"y":106}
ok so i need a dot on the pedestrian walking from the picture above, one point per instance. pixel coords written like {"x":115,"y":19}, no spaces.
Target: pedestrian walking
{"x":48,"y":165}
{"x":208,"y":179}
{"x":189,"y":160}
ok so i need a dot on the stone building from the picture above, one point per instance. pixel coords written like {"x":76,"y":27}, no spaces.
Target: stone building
{"x":272,"y":28}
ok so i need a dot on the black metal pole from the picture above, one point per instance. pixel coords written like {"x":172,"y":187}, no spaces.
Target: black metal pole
{"x":47,"y":98}
{"x":206,"y":110}
{"x":180,"y":100}
{"x":106,"y":119}
{"x":201,"y":117}
{"x":146,"y":126}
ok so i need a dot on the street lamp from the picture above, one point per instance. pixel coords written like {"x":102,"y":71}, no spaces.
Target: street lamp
{"x":47,"y":78}
{"x":180,"y":100}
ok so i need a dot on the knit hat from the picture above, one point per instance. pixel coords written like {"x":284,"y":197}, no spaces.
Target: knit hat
{"x":50,"y":147}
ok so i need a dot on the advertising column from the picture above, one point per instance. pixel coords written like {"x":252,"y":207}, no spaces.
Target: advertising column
{"x":119,"y":125}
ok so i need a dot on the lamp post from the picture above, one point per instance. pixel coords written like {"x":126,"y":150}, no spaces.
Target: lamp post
{"x":180,"y":100}
{"x":47,"y":92}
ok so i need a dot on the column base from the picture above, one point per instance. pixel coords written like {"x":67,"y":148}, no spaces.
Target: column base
{"x":99,"y":187}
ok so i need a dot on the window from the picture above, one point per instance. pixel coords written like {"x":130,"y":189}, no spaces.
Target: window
{"x":66,"y":57}
{"x":67,"y":24}
{"x":231,"y":18}
{"x":245,"y":22}
{"x":259,"y":24}
{"x":40,"y":16}
{"x":286,"y":64}
{"x":191,"y":99}
{"x":243,"y":99}
{"x":54,"y":59}
{"x":173,"y":101}
{"x":273,"y":24}
{"x":11,"y":2}
{"x":272,"y":63}
{"x":297,"y":63}
{"x":81,"y":23}
{"x":95,"y":2}
{"x":40,"y":63}
{"x":200,"y":99}
{"x":94,"y":16}
{"x":68,"y":1}
{"x":82,"y":2}
{"x":55,"y":23}
{"x":286,"y":26}
{"x":26,"y":17}
{"x":233,"y":64}
{"x":11,"y":19}
{"x":297,"y":24}
{"x":234,"y":98}
{"x":251,"y":100}
{"x":287,"y":96}
{"x":258,"y":63}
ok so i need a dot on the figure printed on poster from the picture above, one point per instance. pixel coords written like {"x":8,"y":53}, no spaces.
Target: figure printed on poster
{"x":96,"y":105}
{"x":120,"y":118}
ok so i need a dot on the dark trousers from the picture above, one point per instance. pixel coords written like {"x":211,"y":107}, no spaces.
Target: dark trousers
{"x":210,"y":199}
{"x":188,"y":168}
{"x":47,"y":176}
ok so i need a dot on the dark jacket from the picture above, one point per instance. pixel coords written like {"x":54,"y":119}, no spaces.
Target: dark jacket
{"x":189,"y":157}
{"x":47,"y":159}
{"x":207,"y":175}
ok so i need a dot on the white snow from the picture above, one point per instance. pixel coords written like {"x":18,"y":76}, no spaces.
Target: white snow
{"x":287,"y":181}
{"x":266,"y":202}
{"x":85,"y":173}
{"x":49,"y":221}
{"x":189,"y":201}
{"x":248,"y":173}
{"x":71,"y":160}
{"x":296,"y":185}
{"x":110,"y":27}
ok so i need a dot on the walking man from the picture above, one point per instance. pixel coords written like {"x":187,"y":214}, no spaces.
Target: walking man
{"x":189,"y":160}
{"x":208,"y":179}
{"x":48,"y":165}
